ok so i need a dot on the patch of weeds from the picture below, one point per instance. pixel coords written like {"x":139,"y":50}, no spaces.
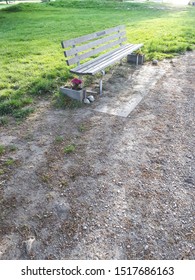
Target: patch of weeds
{"x":69,"y":149}
{"x":190,"y":48}
{"x":2,"y":149}
{"x":9,"y":162}
{"x":4,"y":121}
{"x":59,"y":139}
{"x":46,"y":178}
{"x":9,"y":106}
{"x":22,"y":113}
{"x":5,"y":94}
{"x":81,"y":128}
{"x":63,"y":184}
{"x":41,"y":86}
{"x":12,"y":148}
{"x":2,"y":171}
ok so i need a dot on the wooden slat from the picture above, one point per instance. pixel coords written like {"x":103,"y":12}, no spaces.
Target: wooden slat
{"x":99,"y":59}
{"x":94,"y":52}
{"x":92,"y":44}
{"x":92,"y":36}
{"x":110,"y":61}
{"x":114,"y":57}
{"x":106,"y":60}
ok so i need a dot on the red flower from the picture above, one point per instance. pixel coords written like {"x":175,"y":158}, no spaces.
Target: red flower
{"x":76,"y":81}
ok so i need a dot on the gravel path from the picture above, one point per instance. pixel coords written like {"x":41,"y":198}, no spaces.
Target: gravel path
{"x":127,"y":189}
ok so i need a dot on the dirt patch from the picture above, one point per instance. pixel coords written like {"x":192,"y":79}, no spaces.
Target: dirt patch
{"x":90,"y":184}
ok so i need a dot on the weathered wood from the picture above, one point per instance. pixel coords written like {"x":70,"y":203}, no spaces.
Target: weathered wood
{"x":103,"y":61}
{"x":110,"y":40}
{"x":78,"y":49}
{"x":85,"y":38}
{"x":94,"y":51}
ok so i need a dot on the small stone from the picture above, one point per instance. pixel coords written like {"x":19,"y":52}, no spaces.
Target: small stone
{"x":91,"y":98}
{"x":128,"y":246}
{"x":28,"y":244}
{"x":154,"y":62}
{"x":86,"y":101}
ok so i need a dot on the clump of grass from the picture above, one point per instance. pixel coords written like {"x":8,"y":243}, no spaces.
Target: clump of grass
{"x":59,"y":139}
{"x":2,"y":171}
{"x":81,"y":127}
{"x":12,"y":148}
{"x":8,"y":106}
{"x":41,"y":86}
{"x":4,"y":121}
{"x":2,"y":149}
{"x":63,"y":183}
{"x":9,"y":162}
{"x":69,"y":149}
{"x":22,"y":113}
{"x":45,"y":178}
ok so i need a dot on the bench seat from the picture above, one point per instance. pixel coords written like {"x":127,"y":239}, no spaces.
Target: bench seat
{"x":100,"y":63}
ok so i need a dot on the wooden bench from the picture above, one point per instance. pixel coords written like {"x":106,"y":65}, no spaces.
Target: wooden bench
{"x":110,"y":42}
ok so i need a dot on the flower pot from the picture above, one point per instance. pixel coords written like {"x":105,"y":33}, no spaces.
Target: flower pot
{"x":73,"y":93}
{"x":136,"y":58}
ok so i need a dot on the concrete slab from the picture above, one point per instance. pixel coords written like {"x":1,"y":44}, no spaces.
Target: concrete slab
{"x":130,"y":94}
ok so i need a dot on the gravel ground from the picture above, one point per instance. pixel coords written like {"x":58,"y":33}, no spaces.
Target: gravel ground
{"x":81,"y":184}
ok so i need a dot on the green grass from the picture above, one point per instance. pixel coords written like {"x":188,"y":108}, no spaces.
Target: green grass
{"x":22,"y":113}
{"x":32,"y":60}
{"x":9,"y":162}
{"x":2,"y":149}
{"x":4,"y":121}
{"x":69,"y":149}
{"x":59,"y":139}
{"x":82,"y":127}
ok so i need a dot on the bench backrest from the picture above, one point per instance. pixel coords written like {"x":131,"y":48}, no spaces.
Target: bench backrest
{"x":89,"y":45}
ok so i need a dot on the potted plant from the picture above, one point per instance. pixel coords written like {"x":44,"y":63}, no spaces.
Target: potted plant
{"x":74,"y":90}
{"x":137,"y":57}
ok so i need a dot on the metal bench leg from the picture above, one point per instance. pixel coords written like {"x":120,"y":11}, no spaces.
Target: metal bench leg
{"x":137,"y":57}
{"x":83,"y":87}
{"x":84,"y":93}
{"x":103,"y":73}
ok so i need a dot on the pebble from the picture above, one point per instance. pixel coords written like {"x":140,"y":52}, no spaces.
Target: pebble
{"x":28,"y":244}
{"x":86,"y":101}
{"x":154,"y":62}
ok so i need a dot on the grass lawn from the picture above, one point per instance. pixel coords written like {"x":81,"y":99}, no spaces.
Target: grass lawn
{"x":32,"y":61}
